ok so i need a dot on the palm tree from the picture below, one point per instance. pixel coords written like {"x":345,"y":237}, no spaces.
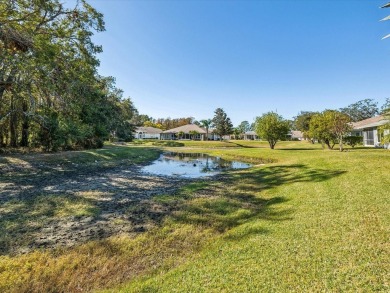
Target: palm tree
{"x":206,"y":123}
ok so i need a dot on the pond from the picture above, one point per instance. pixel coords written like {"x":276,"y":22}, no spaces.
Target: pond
{"x":191,"y":165}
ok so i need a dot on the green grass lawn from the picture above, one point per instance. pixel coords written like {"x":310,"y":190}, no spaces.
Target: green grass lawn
{"x":302,"y":219}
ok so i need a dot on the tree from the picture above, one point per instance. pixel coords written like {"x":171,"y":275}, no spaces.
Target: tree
{"x":237,"y":133}
{"x":340,"y":126}
{"x":302,"y":122}
{"x":272,"y":127}
{"x":361,"y":110}
{"x":180,"y":134}
{"x":140,"y":119}
{"x":153,"y":124}
{"x":384,"y":129}
{"x":193,"y":134}
{"x":169,"y":123}
{"x":50,"y":93}
{"x":243,"y":127}
{"x":222,"y":124}
{"x":206,"y":123}
{"x":330,"y":127}
{"x":319,"y":129}
{"x":385,"y":109}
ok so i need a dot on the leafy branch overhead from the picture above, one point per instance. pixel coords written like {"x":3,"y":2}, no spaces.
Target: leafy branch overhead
{"x":387,"y":5}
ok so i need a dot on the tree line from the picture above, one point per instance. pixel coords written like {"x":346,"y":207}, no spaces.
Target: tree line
{"x":334,"y":126}
{"x":51,"y":95}
{"x":165,"y":123}
{"x":329,"y":127}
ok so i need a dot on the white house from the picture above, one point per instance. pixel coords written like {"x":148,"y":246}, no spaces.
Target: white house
{"x":368,"y":128}
{"x":147,"y":133}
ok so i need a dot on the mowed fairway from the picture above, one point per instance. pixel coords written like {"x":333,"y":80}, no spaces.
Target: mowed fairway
{"x":301,"y":219}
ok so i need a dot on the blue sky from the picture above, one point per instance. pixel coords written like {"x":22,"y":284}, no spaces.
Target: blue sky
{"x":186,"y":58}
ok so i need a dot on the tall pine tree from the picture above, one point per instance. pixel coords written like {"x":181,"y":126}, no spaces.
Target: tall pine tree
{"x":222,"y":124}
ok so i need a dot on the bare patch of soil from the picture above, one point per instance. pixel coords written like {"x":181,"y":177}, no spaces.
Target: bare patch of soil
{"x":53,"y":206}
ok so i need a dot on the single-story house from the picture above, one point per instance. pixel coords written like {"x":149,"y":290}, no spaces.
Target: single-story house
{"x":368,"y":128}
{"x":250,"y":135}
{"x":189,"y":131}
{"x":296,"y":135}
{"x":147,"y":133}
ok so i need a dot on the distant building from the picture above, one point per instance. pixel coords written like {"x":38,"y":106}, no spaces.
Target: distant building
{"x":250,"y":135}
{"x":147,"y":133}
{"x":296,"y":135}
{"x":368,"y":128}
{"x":189,"y":131}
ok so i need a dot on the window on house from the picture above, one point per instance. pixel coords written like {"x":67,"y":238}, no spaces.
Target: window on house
{"x":369,"y":137}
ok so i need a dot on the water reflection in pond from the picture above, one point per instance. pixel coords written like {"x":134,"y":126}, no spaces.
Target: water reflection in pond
{"x":191,"y":165}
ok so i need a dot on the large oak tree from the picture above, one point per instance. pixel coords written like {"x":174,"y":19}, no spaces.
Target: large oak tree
{"x":50,"y":92}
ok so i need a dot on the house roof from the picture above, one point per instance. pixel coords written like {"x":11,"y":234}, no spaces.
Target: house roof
{"x":296,"y":134}
{"x":150,"y":130}
{"x":250,"y":133}
{"x":186,"y":129}
{"x":370,"y":122}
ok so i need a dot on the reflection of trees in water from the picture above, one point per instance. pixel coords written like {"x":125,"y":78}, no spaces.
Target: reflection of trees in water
{"x":207,"y":163}
{"x":206,"y":168}
{"x":222,"y":164}
{"x":182,"y":156}
{"x":215,"y":164}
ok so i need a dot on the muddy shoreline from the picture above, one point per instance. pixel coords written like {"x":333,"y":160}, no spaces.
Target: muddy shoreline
{"x":119,"y":197}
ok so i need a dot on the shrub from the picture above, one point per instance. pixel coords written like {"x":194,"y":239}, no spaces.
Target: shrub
{"x":353,"y":140}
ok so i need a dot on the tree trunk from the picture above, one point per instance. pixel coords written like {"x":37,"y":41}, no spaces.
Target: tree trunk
{"x":2,"y":143}
{"x":25,"y":126}
{"x":327,"y":142}
{"x":13,"y":121}
{"x":341,"y":143}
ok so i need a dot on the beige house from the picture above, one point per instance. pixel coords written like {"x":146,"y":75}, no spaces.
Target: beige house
{"x":189,"y":131}
{"x":296,"y":135}
{"x":368,"y":128}
{"x":250,"y":135}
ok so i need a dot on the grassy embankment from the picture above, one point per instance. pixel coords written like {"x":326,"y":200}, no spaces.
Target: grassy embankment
{"x":313,"y":220}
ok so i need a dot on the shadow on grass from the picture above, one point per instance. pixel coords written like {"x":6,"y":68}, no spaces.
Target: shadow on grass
{"x":298,"y":149}
{"x":243,"y":145}
{"x":237,"y":199}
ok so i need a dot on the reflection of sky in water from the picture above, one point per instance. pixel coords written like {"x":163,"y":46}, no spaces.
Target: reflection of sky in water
{"x":191,"y":165}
